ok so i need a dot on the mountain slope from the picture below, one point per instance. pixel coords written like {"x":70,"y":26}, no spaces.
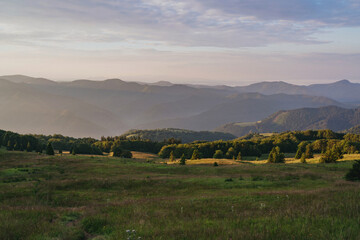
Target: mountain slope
{"x":331,"y":117}
{"x":246,"y":107}
{"x":28,"y":110}
{"x":186,"y":136}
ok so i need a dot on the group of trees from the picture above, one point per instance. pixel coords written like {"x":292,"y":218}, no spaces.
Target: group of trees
{"x":304,"y":143}
{"x":15,"y":141}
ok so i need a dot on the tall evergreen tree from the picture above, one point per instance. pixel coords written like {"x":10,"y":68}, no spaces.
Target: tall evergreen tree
{"x":28,"y":147}
{"x":309,"y":151}
{"x":172,"y":157}
{"x":239,"y":157}
{"x":50,"y":149}
{"x":183,"y":160}
{"x":195,"y":155}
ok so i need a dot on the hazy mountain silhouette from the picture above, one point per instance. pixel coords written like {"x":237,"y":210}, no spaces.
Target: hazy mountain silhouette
{"x":331,"y":117}
{"x":110,"y":107}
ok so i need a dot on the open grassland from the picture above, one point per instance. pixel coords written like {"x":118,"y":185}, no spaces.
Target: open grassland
{"x":82,"y":197}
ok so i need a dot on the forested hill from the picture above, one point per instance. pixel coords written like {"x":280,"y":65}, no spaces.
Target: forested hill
{"x":332,"y":117}
{"x":186,"y":136}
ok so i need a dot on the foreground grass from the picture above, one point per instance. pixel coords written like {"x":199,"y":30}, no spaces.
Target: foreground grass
{"x":82,"y":197}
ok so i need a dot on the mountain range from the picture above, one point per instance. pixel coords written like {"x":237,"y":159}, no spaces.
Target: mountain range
{"x":331,"y":117}
{"x":83,"y":108}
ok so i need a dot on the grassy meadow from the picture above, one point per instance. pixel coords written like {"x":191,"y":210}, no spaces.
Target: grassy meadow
{"x":86,"y":197}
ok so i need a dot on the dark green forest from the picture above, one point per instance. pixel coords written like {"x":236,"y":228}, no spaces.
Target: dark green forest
{"x":299,"y":142}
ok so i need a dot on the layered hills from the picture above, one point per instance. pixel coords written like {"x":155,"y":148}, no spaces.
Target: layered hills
{"x":331,"y":117}
{"x":111,"y":107}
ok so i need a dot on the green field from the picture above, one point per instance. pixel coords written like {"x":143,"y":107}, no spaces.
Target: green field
{"x":84,"y":197}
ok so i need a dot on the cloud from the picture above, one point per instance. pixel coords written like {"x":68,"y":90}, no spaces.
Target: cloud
{"x":193,"y":23}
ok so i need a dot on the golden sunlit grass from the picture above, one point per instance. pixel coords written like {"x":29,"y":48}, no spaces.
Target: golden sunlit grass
{"x":141,"y":155}
{"x":210,"y":161}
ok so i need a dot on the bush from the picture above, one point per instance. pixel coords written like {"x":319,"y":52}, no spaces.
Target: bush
{"x":94,"y":225}
{"x":126,"y":154}
{"x":117,"y":151}
{"x":218,"y":154}
{"x":216,"y":164}
{"x":331,"y":155}
{"x":276,"y":156}
{"x":354,"y":172}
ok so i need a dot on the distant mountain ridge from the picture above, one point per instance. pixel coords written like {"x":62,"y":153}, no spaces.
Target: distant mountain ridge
{"x":331,"y":117}
{"x":84,"y":108}
{"x":186,"y":136}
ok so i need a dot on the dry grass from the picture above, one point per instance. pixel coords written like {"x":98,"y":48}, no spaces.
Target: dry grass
{"x":210,"y":161}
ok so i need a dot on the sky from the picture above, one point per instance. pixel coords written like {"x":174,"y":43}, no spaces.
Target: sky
{"x":233,"y":42}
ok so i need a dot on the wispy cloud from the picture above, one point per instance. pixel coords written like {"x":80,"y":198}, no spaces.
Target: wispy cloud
{"x":180,"y":29}
{"x":226,"y":23}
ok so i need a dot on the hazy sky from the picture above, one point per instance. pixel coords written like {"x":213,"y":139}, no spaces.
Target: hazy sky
{"x":199,"y":41}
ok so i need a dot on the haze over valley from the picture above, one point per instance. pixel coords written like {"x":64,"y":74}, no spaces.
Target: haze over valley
{"x":84,"y":108}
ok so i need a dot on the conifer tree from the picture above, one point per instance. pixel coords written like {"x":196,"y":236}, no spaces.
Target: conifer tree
{"x":183,"y":160}
{"x":309,"y":151}
{"x":303,"y":159}
{"x":172,"y":157}
{"x":28,"y":147}
{"x":9,"y":146}
{"x":195,"y":155}
{"x":50,"y":149}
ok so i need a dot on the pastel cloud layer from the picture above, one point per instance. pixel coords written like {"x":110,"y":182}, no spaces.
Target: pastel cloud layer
{"x":219,"y":42}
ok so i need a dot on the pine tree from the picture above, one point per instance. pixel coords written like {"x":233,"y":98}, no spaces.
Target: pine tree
{"x":183,"y":160}
{"x":28,"y":147}
{"x":172,"y":157}
{"x":9,"y":146}
{"x":303,"y":159}
{"x":50,"y":149}
{"x":239,"y":157}
{"x":309,"y":151}
{"x":195,"y":155}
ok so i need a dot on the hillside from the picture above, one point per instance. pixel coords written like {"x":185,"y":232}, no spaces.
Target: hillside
{"x":245,"y":107}
{"x":332,"y":117}
{"x":186,"y":136}
{"x":111,"y":107}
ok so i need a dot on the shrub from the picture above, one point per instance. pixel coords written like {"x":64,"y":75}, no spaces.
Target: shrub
{"x":117,"y":151}
{"x":94,"y":225}
{"x":230,"y":153}
{"x":276,"y":156}
{"x":354,"y":172}
{"x":126,"y":154}
{"x":331,"y":155}
{"x":216,"y":164}
{"x":218,"y":154}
